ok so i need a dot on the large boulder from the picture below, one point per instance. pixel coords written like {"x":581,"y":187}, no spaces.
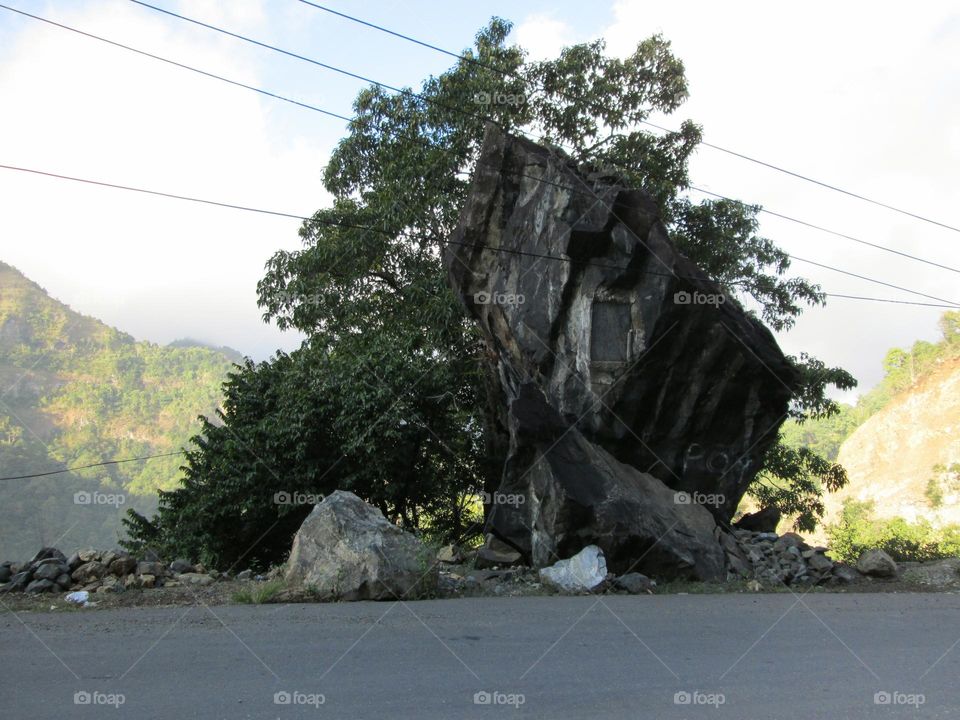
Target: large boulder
{"x":642,"y":371}
{"x":347,"y":550}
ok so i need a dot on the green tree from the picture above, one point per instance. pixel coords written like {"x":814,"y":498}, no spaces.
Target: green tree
{"x":377,"y":300}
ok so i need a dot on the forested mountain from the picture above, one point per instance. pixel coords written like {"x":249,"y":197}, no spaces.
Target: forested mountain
{"x":74,"y":391}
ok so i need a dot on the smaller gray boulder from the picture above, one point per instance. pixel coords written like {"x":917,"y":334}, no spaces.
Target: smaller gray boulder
{"x":635,"y":583}
{"x":39,"y":586}
{"x":450,"y":554}
{"x":88,"y":572}
{"x":180,"y":566}
{"x":496,"y":553}
{"x":50,"y":569}
{"x":150,"y":567}
{"x":876,"y":563}
{"x":123,"y":565}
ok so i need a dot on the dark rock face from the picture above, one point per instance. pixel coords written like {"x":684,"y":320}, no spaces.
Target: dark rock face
{"x":625,"y":373}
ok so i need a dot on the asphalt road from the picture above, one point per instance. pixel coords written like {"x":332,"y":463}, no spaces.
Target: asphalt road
{"x":693,"y":656}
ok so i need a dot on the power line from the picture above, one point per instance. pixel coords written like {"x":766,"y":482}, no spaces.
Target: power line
{"x":91,"y":465}
{"x":836,"y":233}
{"x":296,"y":56}
{"x":713,"y":146}
{"x":153,"y":192}
{"x":800,"y":176}
{"x":179,"y":64}
{"x":426,"y":144}
{"x":460,"y":110}
{"x":246,"y":208}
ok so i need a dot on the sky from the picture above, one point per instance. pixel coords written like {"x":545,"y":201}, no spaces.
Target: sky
{"x":861,"y":95}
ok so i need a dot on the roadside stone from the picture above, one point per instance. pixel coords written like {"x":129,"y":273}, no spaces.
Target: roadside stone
{"x":48,"y":553}
{"x":110,"y":584}
{"x":180,"y":566}
{"x":148,"y":567}
{"x":483,"y":576}
{"x":89,"y":571}
{"x":39,"y":586}
{"x":635,"y":583}
{"x":788,"y":540}
{"x":88,"y":555}
{"x":876,"y":563}
{"x":449,"y":554}
{"x":50,"y":569}
{"x":820,"y":563}
{"x":580,"y":573}
{"x":496,"y":553}
{"x":347,"y":550}
{"x":843,"y":574}
{"x":108,"y":557}
{"x":193,"y":578}
{"x":123,"y":566}
{"x":147,"y":580}
{"x":64,"y":581}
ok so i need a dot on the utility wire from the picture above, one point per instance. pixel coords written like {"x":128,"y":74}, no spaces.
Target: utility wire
{"x":836,"y":233}
{"x":91,"y":465}
{"x":734,"y":153}
{"x":233,"y":206}
{"x":427,"y":144}
{"x":178,"y":64}
{"x":475,"y":115}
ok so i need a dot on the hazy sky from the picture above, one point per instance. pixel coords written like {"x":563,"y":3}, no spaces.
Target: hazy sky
{"x":862,"y":95}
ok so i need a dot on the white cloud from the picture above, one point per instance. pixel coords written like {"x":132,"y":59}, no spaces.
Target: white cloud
{"x":543,"y":36}
{"x":157,"y":268}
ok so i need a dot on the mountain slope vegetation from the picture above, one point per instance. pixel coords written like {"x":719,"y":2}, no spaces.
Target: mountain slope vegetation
{"x":74,"y":391}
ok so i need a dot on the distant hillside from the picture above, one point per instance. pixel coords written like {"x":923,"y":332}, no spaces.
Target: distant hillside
{"x":890,"y":458}
{"x":900,"y":443}
{"x":234,"y":356}
{"x":74,"y":391}
{"x":905,"y":372}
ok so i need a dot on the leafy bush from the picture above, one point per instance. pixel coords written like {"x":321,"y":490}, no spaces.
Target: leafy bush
{"x":857,"y":531}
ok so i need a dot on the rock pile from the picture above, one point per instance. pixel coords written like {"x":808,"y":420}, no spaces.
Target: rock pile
{"x":96,"y":571}
{"x":784,"y":559}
